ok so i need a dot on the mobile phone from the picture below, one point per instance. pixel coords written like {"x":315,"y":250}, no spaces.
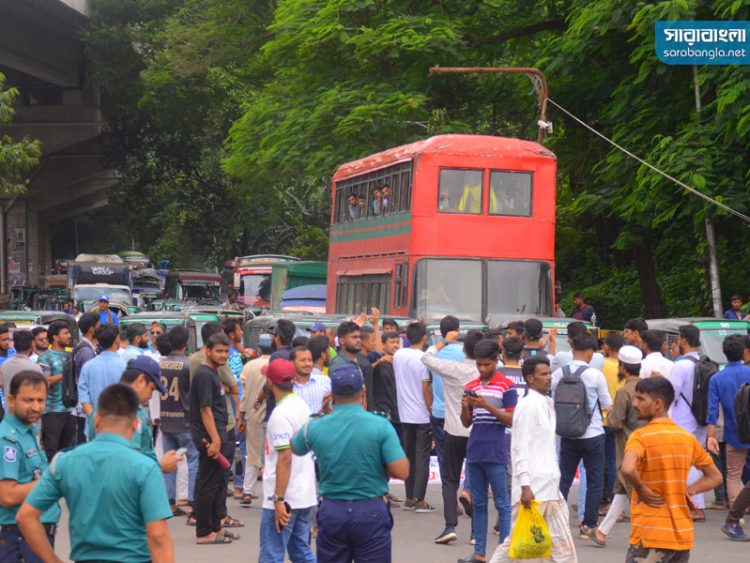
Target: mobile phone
{"x":181,"y":451}
{"x":470,"y":393}
{"x":288,"y":511}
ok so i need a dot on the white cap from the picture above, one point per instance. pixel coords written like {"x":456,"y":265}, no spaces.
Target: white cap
{"x":630,"y":355}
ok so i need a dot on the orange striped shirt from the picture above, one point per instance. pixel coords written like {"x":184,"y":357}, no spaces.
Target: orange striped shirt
{"x":665,"y":453}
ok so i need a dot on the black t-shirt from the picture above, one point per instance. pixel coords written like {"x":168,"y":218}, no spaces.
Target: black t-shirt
{"x":516,"y":376}
{"x":384,"y":390}
{"x":175,"y":404}
{"x":280,"y":354}
{"x":367,"y":374}
{"x":534,"y":352}
{"x":206,"y":390}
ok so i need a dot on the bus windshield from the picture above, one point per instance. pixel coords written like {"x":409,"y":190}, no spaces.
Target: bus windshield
{"x":92,"y":294}
{"x":255,"y":289}
{"x":196,"y":291}
{"x":458,"y":287}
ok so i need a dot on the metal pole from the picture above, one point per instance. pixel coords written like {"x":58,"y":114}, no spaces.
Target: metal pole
{"x":534,"y":74}
{"x":713,"y":262}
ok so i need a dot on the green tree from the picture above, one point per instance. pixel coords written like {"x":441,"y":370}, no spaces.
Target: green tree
{"x":17,"y":158}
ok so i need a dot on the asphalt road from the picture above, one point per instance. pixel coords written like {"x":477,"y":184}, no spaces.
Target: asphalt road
{"x":413,"y":539}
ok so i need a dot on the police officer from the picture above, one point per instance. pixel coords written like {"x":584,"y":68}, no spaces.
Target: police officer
{"x":22,"y":464}
{"x":118,"y":505}
{"x":354,"y":521}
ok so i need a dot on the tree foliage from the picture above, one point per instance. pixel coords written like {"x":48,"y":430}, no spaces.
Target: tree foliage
{"x":17,"y":158}
{"x":230,"y":116}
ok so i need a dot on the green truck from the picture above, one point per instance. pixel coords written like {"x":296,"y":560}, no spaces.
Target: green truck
{"x":289,"y":275}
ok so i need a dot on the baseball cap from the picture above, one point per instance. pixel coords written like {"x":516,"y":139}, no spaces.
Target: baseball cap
{"x":279,"y":371}
{"x":146,"y":365}
{"x":630,"y":355}
{"x":104,"y":298}
{"x":317,"y":326}
{"x":346,"y":379}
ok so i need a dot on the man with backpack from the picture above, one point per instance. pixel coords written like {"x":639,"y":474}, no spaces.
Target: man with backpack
{"x":580,"y":394}
{"x":722,"y":389}
{"x":682,"y":377}
{"x":84,"y":351}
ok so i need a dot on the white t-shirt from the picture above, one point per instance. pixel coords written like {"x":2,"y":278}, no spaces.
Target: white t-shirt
{"x":410,"y":372}
{"x":656,"y":362}
{"x":290,"y":414}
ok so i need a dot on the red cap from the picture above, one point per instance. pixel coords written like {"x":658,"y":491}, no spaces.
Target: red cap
{"x":279,"y":371}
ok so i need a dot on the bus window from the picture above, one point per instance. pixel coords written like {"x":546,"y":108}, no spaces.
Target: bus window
{"x":448,"y":287}
{"x":460,"y":191}
{"x":519,"y":287}
{"x":510,"y":193}
{"x":355,"y":294}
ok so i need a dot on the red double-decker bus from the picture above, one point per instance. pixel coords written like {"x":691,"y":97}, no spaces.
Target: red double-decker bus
{"x":455,"y":224}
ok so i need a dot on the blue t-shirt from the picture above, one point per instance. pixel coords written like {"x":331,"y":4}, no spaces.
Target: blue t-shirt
{"x":487,"y":441}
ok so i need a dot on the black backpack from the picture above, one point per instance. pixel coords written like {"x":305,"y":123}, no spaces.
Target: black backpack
{"x":70,"y":378}
{"x":705,"y":369}
{"x":742,"y":412}
{"x":572,"y":404}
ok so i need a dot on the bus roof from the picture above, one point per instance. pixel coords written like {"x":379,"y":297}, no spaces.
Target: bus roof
{"x":445,"y":144}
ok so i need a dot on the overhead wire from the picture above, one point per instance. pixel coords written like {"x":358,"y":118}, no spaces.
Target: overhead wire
{"x":690,"y":189}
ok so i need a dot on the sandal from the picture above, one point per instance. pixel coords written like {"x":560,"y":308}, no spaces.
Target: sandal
{"x":220,"y":539}
{"x":229,"y":534}
{"x":229,"y":522}
{"x":191,"y":521}
{"x":246,"y":500}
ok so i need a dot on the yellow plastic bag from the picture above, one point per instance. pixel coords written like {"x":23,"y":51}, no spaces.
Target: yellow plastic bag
{"x":530,"y":538}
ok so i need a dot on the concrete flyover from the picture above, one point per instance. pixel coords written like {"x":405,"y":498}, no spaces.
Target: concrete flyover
{"x":41,"y":55}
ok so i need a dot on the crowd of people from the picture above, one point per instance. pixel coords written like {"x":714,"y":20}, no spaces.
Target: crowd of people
{"x":508,"y":416}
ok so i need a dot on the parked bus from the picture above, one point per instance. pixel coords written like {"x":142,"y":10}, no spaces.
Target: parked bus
{"x":252,"y":278}
{"x":454,"y":224}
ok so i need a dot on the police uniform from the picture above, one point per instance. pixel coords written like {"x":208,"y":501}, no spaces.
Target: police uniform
{"x":112,"y":492}
{"x":22,"y":461}
{"x":142,"y":440}
{"x":354,"y":521}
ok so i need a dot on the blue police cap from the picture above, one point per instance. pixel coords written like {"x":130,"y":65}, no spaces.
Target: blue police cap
{"x":346,"y":379}
{"x":150,"y":368}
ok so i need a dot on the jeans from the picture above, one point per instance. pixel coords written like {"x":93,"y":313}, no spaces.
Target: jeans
{"x":418,"y":446}
{"x":454,"y":453}
{"x":438,"y":436}
{"x":294,"y":538}
{"x":581,"y":491}
{"x":610,"y":462}
{"x":358,"y":530}
{"x":175,"y":442}
{"x":210,"y":490}
{"x":483,"y":475}
{"x":13,"y":548}
{"x":591,"y":451}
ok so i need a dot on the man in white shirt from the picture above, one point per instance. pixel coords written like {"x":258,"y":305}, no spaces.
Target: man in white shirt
{"x":414,"y":405}
{"x":564,"y":357}
{"x":288,"y":480}
{"x":456,"y":374}
{"x":654,"y":362}
{"x":589,"y":446}
{"x":536,"y":475}
{"x":309,"y":386}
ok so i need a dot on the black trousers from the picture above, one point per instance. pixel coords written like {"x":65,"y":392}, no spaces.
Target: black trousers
{"x":210,"y":495}
{"x":418,"y":443}
{"x":59,"y":431}
{"x":454,"y":453}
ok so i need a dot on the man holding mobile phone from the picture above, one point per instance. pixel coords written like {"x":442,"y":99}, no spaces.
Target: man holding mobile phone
{"x":288,"y":481}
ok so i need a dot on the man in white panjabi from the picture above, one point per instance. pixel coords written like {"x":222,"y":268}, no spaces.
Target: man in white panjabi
{"x":536,"y":473}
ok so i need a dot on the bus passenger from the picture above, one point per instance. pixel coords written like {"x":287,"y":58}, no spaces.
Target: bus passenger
{"x":352,"y":206}
{"x":385,"y":201}
{"x":376,"y":202}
